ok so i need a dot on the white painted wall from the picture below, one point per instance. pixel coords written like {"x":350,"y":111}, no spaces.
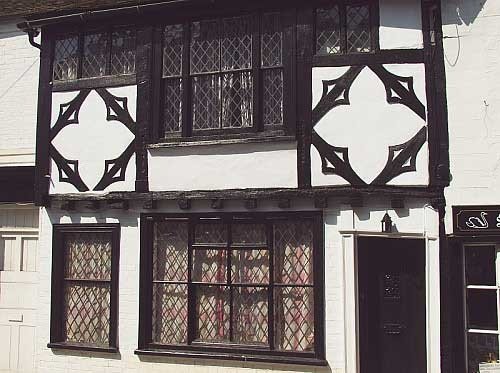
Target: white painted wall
{"x":369,"y":125}
{"x":19,"y":65}
{"x":267,"y":165}
{"x":472,"y":59}
{"x":93,"y":140}
{"x":400,"y":24}
{"x":415,"y":219}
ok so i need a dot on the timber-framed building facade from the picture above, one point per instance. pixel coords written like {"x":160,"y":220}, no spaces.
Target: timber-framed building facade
{"x":253,"y":185}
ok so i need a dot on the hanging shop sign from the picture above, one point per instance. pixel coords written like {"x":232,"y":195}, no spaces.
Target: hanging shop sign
{"x":476,"y":220}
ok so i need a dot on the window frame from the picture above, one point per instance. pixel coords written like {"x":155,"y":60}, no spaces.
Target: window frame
{"x":57,"y":289}
{"x":465,"y":287}
{"x":230,"y":350}
{"x":258,"y":129}
{"x":80,"y":31}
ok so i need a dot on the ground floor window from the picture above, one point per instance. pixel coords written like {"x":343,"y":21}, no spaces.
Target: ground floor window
{"x":241,"y":284}
{"x":482,"y":279}
{"x":84,"y":286}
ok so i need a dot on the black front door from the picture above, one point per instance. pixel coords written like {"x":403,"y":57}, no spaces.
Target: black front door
{"x":391,"y":282}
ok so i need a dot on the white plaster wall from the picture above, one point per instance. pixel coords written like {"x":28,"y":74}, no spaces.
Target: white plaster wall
{"x":472,"y":59}
{"x":369,"y":125}
{"x":415,"y":219}
{"x":93,"y":140}
{"x":19,"y":65}
{"x":267,"y":165}
{"x":400,"y":24}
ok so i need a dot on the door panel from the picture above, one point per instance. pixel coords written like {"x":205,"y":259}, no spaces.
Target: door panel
{"x":391,"y":282}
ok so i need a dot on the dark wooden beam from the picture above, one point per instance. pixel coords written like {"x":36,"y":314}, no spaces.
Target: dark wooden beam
{"x":118,"y":204}
{"x":68,"y":205}
{"x":321,"y":202}
{"x":184,"y":204}
{"x":397,"y":203}
{"x":284,"y":203}
{"x":150,"y":204}
{"x":356,"y":200}
{"x":217,"y":204}
{"x":268,"y":193}
{"x":250,"y":204}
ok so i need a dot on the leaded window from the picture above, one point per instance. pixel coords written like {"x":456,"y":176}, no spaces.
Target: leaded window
{"x":247,"y":283}
{"x":223,"y":75}
{"x":94,"y":53}
{"x":344,"y":29}
{"x":84,"y":286}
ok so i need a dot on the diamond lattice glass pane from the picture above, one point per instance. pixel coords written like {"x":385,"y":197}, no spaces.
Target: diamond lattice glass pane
{"x":293,"y":245}
{"x":66,"y":58}
{"x":246,"y":233}
{"x":173,"y":106}
{"x":250,"y":315}
{"x":212,"y":313}
{"x":87,"y":313}
{"x":271,"y":40}
{"x":95,"y":52}
{"x":236,"y":43}
{"x":123,"y":52}
{"x":206,"y":96}
{"x":250,"y":266}
{"x":210,"y":266}
{"x":358,"y":29}
{"x":294,"y":319}
{"x":170,"y":251}
{"x":170,"y":314}
{"x":328,"y":31}
{"x":210,"y":233}
{"x":172,"y":50}
{"x":237,"y":100}
{"x":481,"y":348}
{"x":205,"y":46}
{"x":88,"y":256}
{"x":273,"y":97}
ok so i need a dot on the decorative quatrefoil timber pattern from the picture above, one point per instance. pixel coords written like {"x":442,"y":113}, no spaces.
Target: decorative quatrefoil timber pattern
{"x":114,"y":169}
{"x":402,"y":158}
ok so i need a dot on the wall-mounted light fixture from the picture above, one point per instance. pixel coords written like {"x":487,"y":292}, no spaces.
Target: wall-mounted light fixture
{"x":386,"y":224}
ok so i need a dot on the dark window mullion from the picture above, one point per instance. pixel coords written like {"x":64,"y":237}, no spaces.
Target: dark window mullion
{"x":220,"y":72}
{"x":191,"y":287}
{"x":109,"y":51}
{"x":230,"y":281}
{"x":270,"y":295}
{"x":187,"y":125}
{"x":80,"y":53}
{"x":343,"y":27}
{"x":257,"y":120}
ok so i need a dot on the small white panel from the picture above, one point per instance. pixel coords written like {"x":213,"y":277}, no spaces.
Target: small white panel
{"x":26,"y":348}
{"x":9,"y":255}
{"x":369,"y":125}
{"x":400,"y":24}
{"x":29,"y":254}
{"x":5,"y":346}
{"x":224,"y":167}
{"x":93,"y":140}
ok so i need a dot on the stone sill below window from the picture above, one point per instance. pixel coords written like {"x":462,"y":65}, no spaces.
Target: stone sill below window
{"x":81,"y":347}
{"x":293,"y":359}
{"x":216,"y":140}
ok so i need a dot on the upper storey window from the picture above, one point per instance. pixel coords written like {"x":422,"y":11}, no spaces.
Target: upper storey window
{"x":223,"y":75}
{"x":94,"y":54}
{"x":343,"y":29}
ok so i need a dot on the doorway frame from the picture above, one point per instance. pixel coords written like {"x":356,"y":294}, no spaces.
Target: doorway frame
{"x":351,"y":296}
